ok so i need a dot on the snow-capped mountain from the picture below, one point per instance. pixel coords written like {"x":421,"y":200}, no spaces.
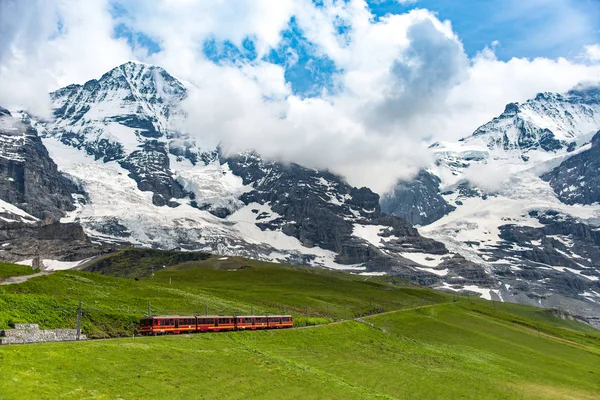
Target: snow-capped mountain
{"x":140,"y":180}
{"x":548,"y":122}
{"x":520,"y":198}
{"x":490,"y":212}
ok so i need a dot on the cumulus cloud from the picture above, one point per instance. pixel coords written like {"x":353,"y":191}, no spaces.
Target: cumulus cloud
{"x":51,"y":44}
{"x":592,"y":52}
{"x":401,"y":80}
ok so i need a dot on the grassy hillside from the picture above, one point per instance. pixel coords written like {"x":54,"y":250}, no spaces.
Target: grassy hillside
{"x":134,"y":263}
{"x":440,"y":351}
{"x":8,"y":270}
{"x":381,"y":338}
{"x":112,"y":306}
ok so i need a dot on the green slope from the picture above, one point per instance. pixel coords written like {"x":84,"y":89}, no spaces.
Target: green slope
{"x":9,"y":270}
{"x":439,"y":351}
{"x":428,"y":346}
{"x":112,"y":306}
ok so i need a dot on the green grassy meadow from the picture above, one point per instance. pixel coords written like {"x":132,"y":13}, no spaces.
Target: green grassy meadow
{"x":113,"y":305}
{"x":443,"y":351}
{"x":9,"y":270}
{"x":378,"y":338}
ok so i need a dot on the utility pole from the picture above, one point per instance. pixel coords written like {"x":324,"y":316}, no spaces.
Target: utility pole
{"x":306,"y":314}
{"x":79,"y":320}
{"x":149,"y":309}
{"x":206,"y":309}
{"x":170,"y":281}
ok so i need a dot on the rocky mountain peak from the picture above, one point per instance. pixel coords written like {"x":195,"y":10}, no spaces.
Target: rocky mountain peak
{"x":549,"y":122}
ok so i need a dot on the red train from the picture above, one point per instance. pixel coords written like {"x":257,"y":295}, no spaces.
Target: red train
{"x":212,"y":323}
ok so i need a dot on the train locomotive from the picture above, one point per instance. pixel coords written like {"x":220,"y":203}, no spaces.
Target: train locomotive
{"x":176,"y":324}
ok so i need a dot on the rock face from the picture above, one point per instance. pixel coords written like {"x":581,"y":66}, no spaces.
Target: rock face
{"x":418,"y":201}
{"x":149,"y":167}
{"x":125,"y":116}
{"x":30,"y":178}
{"x":577,"y":179}
{"x":320,"y":209}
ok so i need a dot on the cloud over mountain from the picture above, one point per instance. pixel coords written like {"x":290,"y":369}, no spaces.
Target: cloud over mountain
{"x":395,"y":82}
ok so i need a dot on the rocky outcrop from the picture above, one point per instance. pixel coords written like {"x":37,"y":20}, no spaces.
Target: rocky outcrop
{"x":320,"y":209}
{"x":577,"y":179}
{"x":149,"y":167}
{"x":29,"y":178}
{"x":54,"y":241}
{"x":417,"y":201}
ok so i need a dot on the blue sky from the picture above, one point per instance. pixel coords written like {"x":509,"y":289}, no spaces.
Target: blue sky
{"x":523,"y":28}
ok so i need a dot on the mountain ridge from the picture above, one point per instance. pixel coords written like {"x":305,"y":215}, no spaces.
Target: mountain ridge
{"x":147,"y":183}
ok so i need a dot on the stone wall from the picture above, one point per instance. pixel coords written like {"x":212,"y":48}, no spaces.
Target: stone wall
{"x":31,"y":333}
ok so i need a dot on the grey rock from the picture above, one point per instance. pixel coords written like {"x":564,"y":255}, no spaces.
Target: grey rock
{"x":417,"y":201}
{"x":29,"y":178}
{"x":149,"y":167}
{"x":577,"y":179}
{"x":320,"y":209}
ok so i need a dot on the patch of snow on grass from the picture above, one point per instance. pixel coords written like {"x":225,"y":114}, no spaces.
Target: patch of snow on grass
{"x":54,"y":265}
{"x":485,"y":293}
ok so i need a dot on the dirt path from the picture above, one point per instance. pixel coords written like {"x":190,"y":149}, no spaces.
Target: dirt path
{"x":23,"y":278}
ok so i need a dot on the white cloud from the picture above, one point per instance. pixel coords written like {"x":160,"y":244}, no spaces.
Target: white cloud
{"x":54,"y":43}
{"x":592,"y":52}
{"x":404,"y":80}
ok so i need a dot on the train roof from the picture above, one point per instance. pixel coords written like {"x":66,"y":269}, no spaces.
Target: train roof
{"x":270,"y":315}
{"x":216,"y":316}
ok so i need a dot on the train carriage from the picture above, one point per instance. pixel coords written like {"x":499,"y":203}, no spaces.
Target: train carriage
{"x":168,"y":324}
{"x":279,"y":321}
{"x":215,"y":323}
{"x":176,"y":324}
